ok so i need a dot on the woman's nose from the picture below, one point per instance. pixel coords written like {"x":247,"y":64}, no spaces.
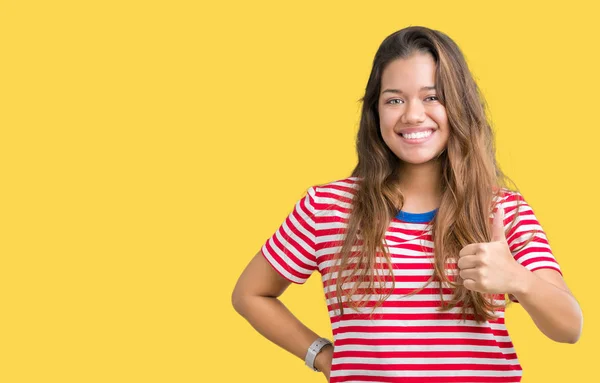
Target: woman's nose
{"x":414,"y":113}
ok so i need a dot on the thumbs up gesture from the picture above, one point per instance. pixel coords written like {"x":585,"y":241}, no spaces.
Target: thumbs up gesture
{"x":490,"y":267}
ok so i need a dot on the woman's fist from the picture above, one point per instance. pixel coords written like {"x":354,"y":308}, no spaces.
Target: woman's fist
{"x":490,"y":267}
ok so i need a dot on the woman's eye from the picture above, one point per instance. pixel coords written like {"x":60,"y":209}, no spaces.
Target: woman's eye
{"x":395,"y":99}
{"x":432,"y":98}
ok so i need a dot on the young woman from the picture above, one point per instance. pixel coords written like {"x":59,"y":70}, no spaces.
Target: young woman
{"x":419,"y":246}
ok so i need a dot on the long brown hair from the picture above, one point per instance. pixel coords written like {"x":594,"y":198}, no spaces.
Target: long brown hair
{"x":471,"y":178}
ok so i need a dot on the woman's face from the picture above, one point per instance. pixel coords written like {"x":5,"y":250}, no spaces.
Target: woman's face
{"x":413,"y":122}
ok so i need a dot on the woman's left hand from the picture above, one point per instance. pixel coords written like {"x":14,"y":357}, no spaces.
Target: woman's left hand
{"x":490,"y":267}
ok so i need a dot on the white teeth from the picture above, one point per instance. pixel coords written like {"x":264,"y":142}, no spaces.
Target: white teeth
{"x":412,"y":136}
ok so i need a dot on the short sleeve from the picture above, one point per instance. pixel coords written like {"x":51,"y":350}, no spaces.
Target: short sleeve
{"x":291,"y":249}
{"x":535,"y":254}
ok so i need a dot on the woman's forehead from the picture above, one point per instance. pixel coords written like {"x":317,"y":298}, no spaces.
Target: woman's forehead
{"x":413,"y":74}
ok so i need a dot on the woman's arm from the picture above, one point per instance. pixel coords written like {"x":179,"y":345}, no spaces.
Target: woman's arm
{"x":544,"y":294}
{"x":255,"y":298}
{"x":491,"y":268}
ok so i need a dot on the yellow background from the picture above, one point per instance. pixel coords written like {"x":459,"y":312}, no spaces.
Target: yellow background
{"x":149,"y":148}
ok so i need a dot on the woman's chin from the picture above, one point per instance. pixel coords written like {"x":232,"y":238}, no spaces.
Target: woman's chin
{"x":419,"y":160}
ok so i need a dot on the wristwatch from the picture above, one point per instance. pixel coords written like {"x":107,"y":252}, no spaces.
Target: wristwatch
{"x":313,"y":350}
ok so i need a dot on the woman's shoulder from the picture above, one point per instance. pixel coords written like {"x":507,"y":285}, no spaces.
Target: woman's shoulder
{"x":505,"y":195}
{"x":347,"y":184}
{"x":336,"y":192}
{"x":512,"y":202}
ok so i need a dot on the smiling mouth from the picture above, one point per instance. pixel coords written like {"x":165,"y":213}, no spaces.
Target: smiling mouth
{"x":417,"y":135}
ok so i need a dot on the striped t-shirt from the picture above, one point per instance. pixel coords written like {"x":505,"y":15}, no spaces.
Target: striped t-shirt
{"x":408,"y":340}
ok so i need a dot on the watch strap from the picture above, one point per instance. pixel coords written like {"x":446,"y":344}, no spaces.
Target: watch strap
{"x":313,"y":351}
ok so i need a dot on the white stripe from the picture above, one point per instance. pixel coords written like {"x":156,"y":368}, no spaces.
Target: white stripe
{"x":413,"y":348}
{"x":409,"y":226}
{"x":522,"y":233}
{"x":398,"y":297}
{"x":336,"y":202}
{"x":382,"y":272}
{"x":338,"y":192}
{"x":525,"y":228}
{"x":409,"y":239}
{"x":398,"y":310}
{"x":420,"y":322}
{"x":420,"y":335}
{"x":397,"y":261}
{"x":425,"y":373}
{"x":278,"y":267}
{"x":543,"y":246}
{"x":536,"y":254}
{"x":385,"y":285}
{"x":535,"y":265}
{"x":386,"y":271}
{"x":286,"y":257}
{"x":329,"y":226}
{"x":426,"y":361}
{"x":292,"y":249}
{"x":406,"y":310}
{"x":425,"y":257}
{"x":413,"y":322}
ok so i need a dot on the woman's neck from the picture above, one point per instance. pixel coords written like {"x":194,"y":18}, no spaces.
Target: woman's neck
{"x":421,"y":186}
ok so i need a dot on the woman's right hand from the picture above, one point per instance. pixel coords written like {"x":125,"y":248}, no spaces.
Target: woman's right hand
{"x":323,"y":361}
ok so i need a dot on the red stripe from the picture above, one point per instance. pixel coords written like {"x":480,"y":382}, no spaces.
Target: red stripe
{"x":424,"y":329}
{"x":291,"y":271}
{"x":516,"y":233}
{"x":424,"y":354}
{"x":330,"y":257}
{"x":387,"y":278}
{"x":535,"y":239}
{"x":383,"y":266}
{"x":426,"y":367}
{"x":413,"y":247}
{"x":396,"y":291}
{"x":414,"y":316}
{"x":538,"y":259}
{"x":307,"y":226}
{"x":394,"y":304}
{"x":547,"y":267}
{"x":426,"y":379}
{"x":422,"y":342}
{"x":285,"y":265}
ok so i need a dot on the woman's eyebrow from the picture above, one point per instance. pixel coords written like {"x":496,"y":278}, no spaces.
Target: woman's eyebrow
{"x":398,"y":91}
